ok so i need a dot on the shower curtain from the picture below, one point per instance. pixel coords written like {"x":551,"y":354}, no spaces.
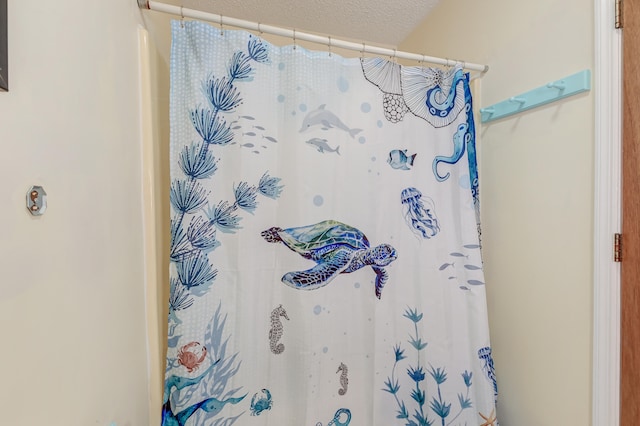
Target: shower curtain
{"x":325,"y":254}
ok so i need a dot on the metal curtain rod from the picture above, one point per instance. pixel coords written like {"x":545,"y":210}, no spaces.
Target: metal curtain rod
{"x":297,"y":35}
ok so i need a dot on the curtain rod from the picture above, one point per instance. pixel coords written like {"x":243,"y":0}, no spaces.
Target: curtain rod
{"x":298,"y":35}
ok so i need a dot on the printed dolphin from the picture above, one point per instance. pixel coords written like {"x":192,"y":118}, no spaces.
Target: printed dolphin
{"x":326,"y":119}
{"x":322,"y":145}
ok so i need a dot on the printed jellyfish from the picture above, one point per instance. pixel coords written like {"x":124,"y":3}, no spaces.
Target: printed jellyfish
{"x":489,"y":370}
{"x":419,"y":213}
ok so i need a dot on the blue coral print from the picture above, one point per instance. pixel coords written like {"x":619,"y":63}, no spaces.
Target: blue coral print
{"x":194,"y":227}
{"x":440,"y":408}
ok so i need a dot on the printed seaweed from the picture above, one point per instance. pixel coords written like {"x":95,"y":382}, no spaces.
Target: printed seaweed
{"x":438,"y":405}
{"x":194,"y":225}
{"x":213,"y":382}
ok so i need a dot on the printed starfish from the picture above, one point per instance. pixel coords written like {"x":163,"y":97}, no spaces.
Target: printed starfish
{"x":490,"y":420}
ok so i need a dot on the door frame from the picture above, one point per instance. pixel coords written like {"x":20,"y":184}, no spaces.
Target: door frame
{"x":607,"y":215}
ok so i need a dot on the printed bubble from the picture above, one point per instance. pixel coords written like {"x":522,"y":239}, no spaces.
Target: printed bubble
{"x":280,"y":98}
{"x":343,"y":84}
{"x":317,"y":309}
{"x":365,"y":107}
{"x":464,"y":182}
{"x":318,"y":200}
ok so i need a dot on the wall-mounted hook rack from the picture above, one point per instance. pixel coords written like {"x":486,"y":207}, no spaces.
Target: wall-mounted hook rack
{"x":551,"y":92}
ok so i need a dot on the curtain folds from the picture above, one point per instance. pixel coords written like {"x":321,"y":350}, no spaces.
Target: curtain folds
{"x":325,"y":253}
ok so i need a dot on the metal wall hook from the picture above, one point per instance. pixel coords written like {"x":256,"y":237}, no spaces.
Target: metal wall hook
{"x":36,"y":200}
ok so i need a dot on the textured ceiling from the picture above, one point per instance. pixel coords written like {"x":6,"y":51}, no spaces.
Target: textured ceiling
{"x":382,"y":22}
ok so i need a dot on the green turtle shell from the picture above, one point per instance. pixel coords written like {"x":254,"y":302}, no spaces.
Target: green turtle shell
{"x":323,"y":237}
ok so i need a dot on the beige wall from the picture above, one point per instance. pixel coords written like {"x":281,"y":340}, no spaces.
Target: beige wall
{"x":72,"y":281}
{"x":536,"y":175}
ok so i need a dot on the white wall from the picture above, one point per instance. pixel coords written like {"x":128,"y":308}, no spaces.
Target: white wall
{"x":536,"y":175}
{"x":72,"y":282}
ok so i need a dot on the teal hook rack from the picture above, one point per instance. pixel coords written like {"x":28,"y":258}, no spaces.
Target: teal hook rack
{"x":551,"y":92}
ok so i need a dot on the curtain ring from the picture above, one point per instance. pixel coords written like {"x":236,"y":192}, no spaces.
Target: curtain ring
{"x":294,"y":39}
{"x":181,"y":17}
{"x":448,"y":66}
{"x":221,"y":28}
{"x":260,"y":32}
{"x":395,"y":59}
{"x":363,"y":49}
{"x":421,"y":62}
{"x":329,"y":46}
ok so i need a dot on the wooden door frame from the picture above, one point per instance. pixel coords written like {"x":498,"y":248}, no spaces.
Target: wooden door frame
{"x":607,"y":215}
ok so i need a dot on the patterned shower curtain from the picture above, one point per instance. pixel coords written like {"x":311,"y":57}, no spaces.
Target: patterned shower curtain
{"x":325,"y":254}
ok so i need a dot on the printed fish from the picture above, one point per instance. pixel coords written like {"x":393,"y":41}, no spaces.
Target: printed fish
{"x":400,"y":160}
{"x":322,"y":145}
{"x":327,"y":120}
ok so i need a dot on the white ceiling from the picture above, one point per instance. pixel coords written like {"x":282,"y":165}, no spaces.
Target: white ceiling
{"x":382,"y":22}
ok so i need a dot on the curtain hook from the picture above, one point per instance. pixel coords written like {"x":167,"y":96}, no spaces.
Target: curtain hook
{"x":395,"y":58}
{"x":363,"y":49}
{"x":294,"y":39}
{"x":182,"y":16}
{"x":221,"y":27}
{"x":259,"y":30}
{"x":329,"y":46}
{"x":421,"y":62}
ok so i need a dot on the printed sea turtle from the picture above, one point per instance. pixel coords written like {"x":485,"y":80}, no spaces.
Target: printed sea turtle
{"x":336,"y":248}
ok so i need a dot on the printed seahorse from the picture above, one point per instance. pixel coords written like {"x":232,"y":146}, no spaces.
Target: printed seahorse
{"x":460,"y":138}
{"x":276,"y":329}
{"x":344,"y":380}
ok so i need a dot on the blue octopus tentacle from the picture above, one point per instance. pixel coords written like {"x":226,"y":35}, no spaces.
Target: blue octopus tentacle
{"x":443,"y":108}
{"x":471,"y":149}
{"x":460,"y":138}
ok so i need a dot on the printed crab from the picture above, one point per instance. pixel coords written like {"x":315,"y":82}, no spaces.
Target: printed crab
{"x":260,"y":402}
{"x":191,"y":355}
